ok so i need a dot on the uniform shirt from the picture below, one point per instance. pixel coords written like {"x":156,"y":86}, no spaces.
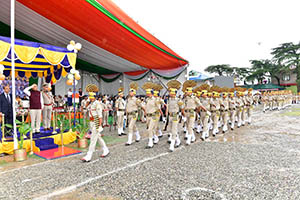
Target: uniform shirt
{"x":191,"y":102}
{"x":132,"y":104}
{"x":239,"y":102}
{"x":214,"y":104}
{"x":152,"y":105}
{"x":47,"y":97}
{"x":232,"y":102}
{"x":174,"y":105}
{"x":120,"y":104}
{"x":224,"y":104}
{"x":205,"y":103}
{"x":248,"y":100}
{"x":95,"y":109}
{"x":84,"y":103}
{"x":160,"y":102}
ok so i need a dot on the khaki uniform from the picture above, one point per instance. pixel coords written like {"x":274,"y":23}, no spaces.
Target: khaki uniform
{"x":95,"y":113}
{"x":204,"y":117}
{"x":249,"y":107}
{"x":173,"y":109}
{"x":232,"y":110}
{"x":105,"y":111}
{"x":215,"y":110}
{"x":157,"y":128}
{"x":240,"y":109}
{"x":84,"y":110}
{"x":120,"y":107}
{"x":47,"y":109}
{"x":224,"y":107}
{"x":132,"y":106}
{"x":190,"y":105}
{"x":151,"y":107}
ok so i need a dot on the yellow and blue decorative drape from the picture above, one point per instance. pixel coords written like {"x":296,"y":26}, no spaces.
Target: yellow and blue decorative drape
{"x":37,"y":60}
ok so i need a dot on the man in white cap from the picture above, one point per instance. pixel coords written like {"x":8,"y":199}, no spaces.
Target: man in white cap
{"x":47,"y":109}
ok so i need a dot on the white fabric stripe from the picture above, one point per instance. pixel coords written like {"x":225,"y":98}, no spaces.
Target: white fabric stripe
{"x":135,"y":77}
{"x":46,"y":31}
{"x":170,"y":72}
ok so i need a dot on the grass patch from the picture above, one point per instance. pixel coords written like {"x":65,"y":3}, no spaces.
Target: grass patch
{"x":3,"y":162}
{"x":113,"y":140}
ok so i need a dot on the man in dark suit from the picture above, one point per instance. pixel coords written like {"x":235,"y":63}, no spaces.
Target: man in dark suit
{"x":6,"y":107}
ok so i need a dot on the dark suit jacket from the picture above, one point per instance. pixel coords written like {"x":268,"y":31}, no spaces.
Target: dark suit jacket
{"x":5,"y":106}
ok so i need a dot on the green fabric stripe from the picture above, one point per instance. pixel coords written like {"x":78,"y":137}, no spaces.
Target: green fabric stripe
{"x":140,"y":77}
{"x":168,"y":78}
{"x":80,"y":64}
{"x":107,"y":80}
{"x":110,"y":15}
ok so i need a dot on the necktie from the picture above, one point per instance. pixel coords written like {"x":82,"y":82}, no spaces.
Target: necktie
{"x":8,"y":99}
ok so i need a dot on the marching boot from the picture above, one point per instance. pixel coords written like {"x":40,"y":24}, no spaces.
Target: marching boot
{"x":203,"y":136}
{"x":122,"y":131}
{"x":160,"y":135}
{"x":119,"y":131}
{"x":105,"y":152}
{"x":206,"y":134}
{"x":156,"y":139}
{"x":87,"y":158}
{"x":138,"y":137}
{"x":172,"y":145}
{"x":150,"y":144}
{"x":232,"y":126}
{"x":193,"y":138}
{"x":188,"y":140}
{"x":225,"y":128}
{"x":129,"y":142}
{"x":199,"y":128}
{"x":249,"y":120}
{"x":178,"y":142}
{"x":169,"y":139}
{"x":186,"y":135}
{"x":184,"y":129}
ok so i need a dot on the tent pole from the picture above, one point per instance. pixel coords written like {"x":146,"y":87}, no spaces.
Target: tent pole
{"x":74,"y":92}
{"x":12,"y":44}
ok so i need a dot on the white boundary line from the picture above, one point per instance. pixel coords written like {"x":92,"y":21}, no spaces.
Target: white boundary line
{"x":187,"y":191}
{"x":73,"y":187}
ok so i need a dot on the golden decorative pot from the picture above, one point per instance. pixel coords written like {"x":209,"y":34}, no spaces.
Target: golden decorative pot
{"x":20,"y":155}
{"x":82,"y":143}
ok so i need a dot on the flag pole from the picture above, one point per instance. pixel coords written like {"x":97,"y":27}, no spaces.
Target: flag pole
{"x":13,"y":83}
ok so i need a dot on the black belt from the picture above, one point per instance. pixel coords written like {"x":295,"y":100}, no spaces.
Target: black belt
{"x":224,"y":110}
{"x":150,"y":114}
{"x":132,"y":113}
{"x":121,"y":109}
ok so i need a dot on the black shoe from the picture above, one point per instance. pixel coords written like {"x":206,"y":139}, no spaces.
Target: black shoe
{"x":184,"y":131}
{"x":127,"y":144}
{"x":137,"y":141}
{"x":232,"y":129}
{"x":223,"y":131}
{"x":148,"y":147}
{"x":160,"y":136}
{"x":123,"y":134}
{"x":169,"y":142}
{"x":185,"y":138}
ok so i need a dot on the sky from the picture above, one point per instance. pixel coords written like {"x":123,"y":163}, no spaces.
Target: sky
{"x":211,"y":32}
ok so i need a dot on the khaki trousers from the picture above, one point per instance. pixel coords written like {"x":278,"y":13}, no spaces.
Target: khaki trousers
{"x":151,"y":126}
{"x":35,"y":116}
{"x":225,"y":118}
{"x":215,"y":118}
{"x":156,"y":127}
{"x":105,"y":117}
{"x":85,"y":116}
{"x":47,"y":112}
{"x":190,"y":122}
{"x":173,"y":126}
{"x":120,"y":116}
{"x":96,"y":136}
{"x":132,"y":124}
{"x":239,"y":115}
{"x":204,"y":121}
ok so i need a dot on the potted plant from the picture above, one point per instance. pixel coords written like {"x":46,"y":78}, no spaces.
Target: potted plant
{"x":20,"y":154}
{"x":81,"y":130}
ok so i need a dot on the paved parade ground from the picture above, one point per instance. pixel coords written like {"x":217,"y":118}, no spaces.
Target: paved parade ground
{"x":257,"y":161}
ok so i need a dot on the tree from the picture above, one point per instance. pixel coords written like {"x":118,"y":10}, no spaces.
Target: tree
{"x":287,"y":55}
{"x":221,"y":70}
{"x":265,"y":68}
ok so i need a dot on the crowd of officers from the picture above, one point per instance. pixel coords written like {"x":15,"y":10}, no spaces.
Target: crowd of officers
{"x":205,"y":110}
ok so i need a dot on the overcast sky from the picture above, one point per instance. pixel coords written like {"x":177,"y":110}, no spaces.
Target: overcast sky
{"x":209,"y":32}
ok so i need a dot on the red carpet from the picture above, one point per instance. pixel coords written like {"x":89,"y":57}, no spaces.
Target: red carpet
{"x":59,"y":152}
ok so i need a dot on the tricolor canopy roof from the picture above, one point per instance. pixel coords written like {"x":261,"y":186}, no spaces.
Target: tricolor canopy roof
{"x":112,"y":42}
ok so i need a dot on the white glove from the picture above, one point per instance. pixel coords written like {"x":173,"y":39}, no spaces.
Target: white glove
{"x":184,"y":119}
{"x":164,"y":120}
{"x":209,"y":113}
{"x":125,"y":117}
{"x":118,"y":113}
{"x":100,"y":129}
